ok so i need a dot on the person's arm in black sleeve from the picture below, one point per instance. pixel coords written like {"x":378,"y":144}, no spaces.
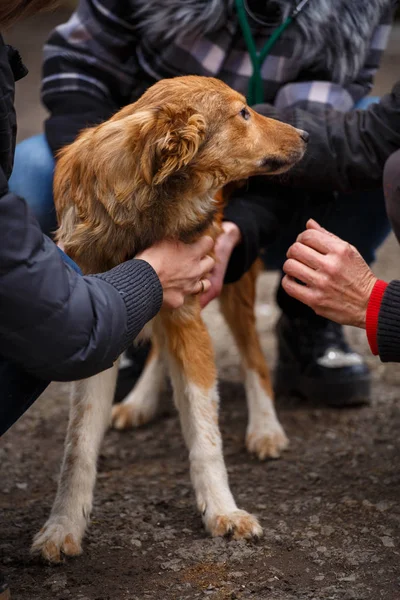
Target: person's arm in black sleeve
{"x":258,"y":209}
{"x":89,"y":70}
{"x":346,"y":151}
{"x":55,"y":323}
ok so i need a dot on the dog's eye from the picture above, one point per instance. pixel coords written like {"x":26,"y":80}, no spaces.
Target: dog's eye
{"x":244,"y":113}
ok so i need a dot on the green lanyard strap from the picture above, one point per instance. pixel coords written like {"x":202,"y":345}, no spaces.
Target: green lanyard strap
{"x":255,"y":93}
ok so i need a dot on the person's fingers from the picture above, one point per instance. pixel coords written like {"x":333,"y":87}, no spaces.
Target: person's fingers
{"x":206,"y":265}
{"x":311,"y":224}
{"x":320,"y":241}
{"x":201,"y":286}
{"x":204,"y":245}
{"x":298,"y":291}
{"x":296,"y":269}
{"x":206,"y":285}
{"x":306,"y":255}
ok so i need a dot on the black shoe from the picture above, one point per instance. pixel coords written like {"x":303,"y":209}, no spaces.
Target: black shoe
{"x":131,"y":367}
{"x":314,"y":361}
{"x":4,"y":589}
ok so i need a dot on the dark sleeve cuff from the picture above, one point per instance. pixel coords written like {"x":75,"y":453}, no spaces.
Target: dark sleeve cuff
{"x":141,"y":290}
{"x":245,"y":253}
{"x":389,"y":324}
{"x":373,"y":308}
{"x":3,"y":183}
{"x":260,"y":210}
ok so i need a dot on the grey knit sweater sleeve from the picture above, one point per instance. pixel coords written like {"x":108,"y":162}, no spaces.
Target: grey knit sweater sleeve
{"x":389,"y":324}
{"x":140,"y":289}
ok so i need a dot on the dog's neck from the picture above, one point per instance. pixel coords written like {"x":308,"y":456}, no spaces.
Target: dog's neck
{"x":178,"y":214}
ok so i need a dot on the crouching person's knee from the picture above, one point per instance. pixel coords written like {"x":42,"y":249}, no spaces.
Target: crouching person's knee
{"x":391,"y":186}
{"x":32,"y":179}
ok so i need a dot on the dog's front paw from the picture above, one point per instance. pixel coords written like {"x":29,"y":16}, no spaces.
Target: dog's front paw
{"x":238,"y":524}
{"x":269,"y":442}
{"x":128,"y":415}
{"x":58,"y":538}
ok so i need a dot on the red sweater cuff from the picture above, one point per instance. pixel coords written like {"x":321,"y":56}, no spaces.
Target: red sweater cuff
{"x":373,"y":308}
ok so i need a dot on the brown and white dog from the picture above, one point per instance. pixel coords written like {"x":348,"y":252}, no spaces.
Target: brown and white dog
{"x":152,"y":172}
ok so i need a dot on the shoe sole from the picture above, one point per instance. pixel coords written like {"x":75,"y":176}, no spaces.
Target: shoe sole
{"x":353,"y":392}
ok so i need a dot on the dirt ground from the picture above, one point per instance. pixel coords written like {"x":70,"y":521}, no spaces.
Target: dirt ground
{"x":329,"y":508}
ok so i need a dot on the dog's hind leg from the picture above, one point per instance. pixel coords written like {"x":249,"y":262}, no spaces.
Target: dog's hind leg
{"x":193,"y":374}
{"x":142,"y":403}
{"x":265,"y":436}
{"x":89,"y":417}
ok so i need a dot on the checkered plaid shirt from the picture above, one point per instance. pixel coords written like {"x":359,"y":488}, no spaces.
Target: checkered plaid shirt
{"x":99,"y":53}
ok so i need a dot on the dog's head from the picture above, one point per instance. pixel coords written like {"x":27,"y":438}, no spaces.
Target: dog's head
{"x":154,"y":167}
{"x":187,"y":126}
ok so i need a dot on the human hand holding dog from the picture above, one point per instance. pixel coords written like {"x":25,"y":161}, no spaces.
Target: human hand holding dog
{"x":181,"y":268}
{"x":224,"y":245}
{"x":337,"y":281}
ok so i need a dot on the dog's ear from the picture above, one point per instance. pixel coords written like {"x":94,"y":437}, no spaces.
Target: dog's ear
{"x":172,"y":141}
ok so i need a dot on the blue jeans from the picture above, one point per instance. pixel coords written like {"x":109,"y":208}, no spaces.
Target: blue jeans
{"x":32,"y":179}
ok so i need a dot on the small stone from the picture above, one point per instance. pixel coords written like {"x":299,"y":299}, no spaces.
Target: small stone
{"x":387,"y":541}
{"x":351,"y":577}
{"x":236,"y":574}
{"x":56,"y":582}
{"x":135,"y":542}
{"x":21,"y":486}
{"x":327,"y":530}
{"x":175,"y":564}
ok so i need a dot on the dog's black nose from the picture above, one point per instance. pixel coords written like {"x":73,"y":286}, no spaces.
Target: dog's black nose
{"x":304,"y":135}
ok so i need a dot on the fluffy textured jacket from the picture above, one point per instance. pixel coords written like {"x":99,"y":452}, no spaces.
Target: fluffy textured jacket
{"x":110,"y":51}
{"x":340,"y":31}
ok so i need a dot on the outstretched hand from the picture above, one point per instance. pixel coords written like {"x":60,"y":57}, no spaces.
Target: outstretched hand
{"x":224,"y":245}
{"x":336,"y":282}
